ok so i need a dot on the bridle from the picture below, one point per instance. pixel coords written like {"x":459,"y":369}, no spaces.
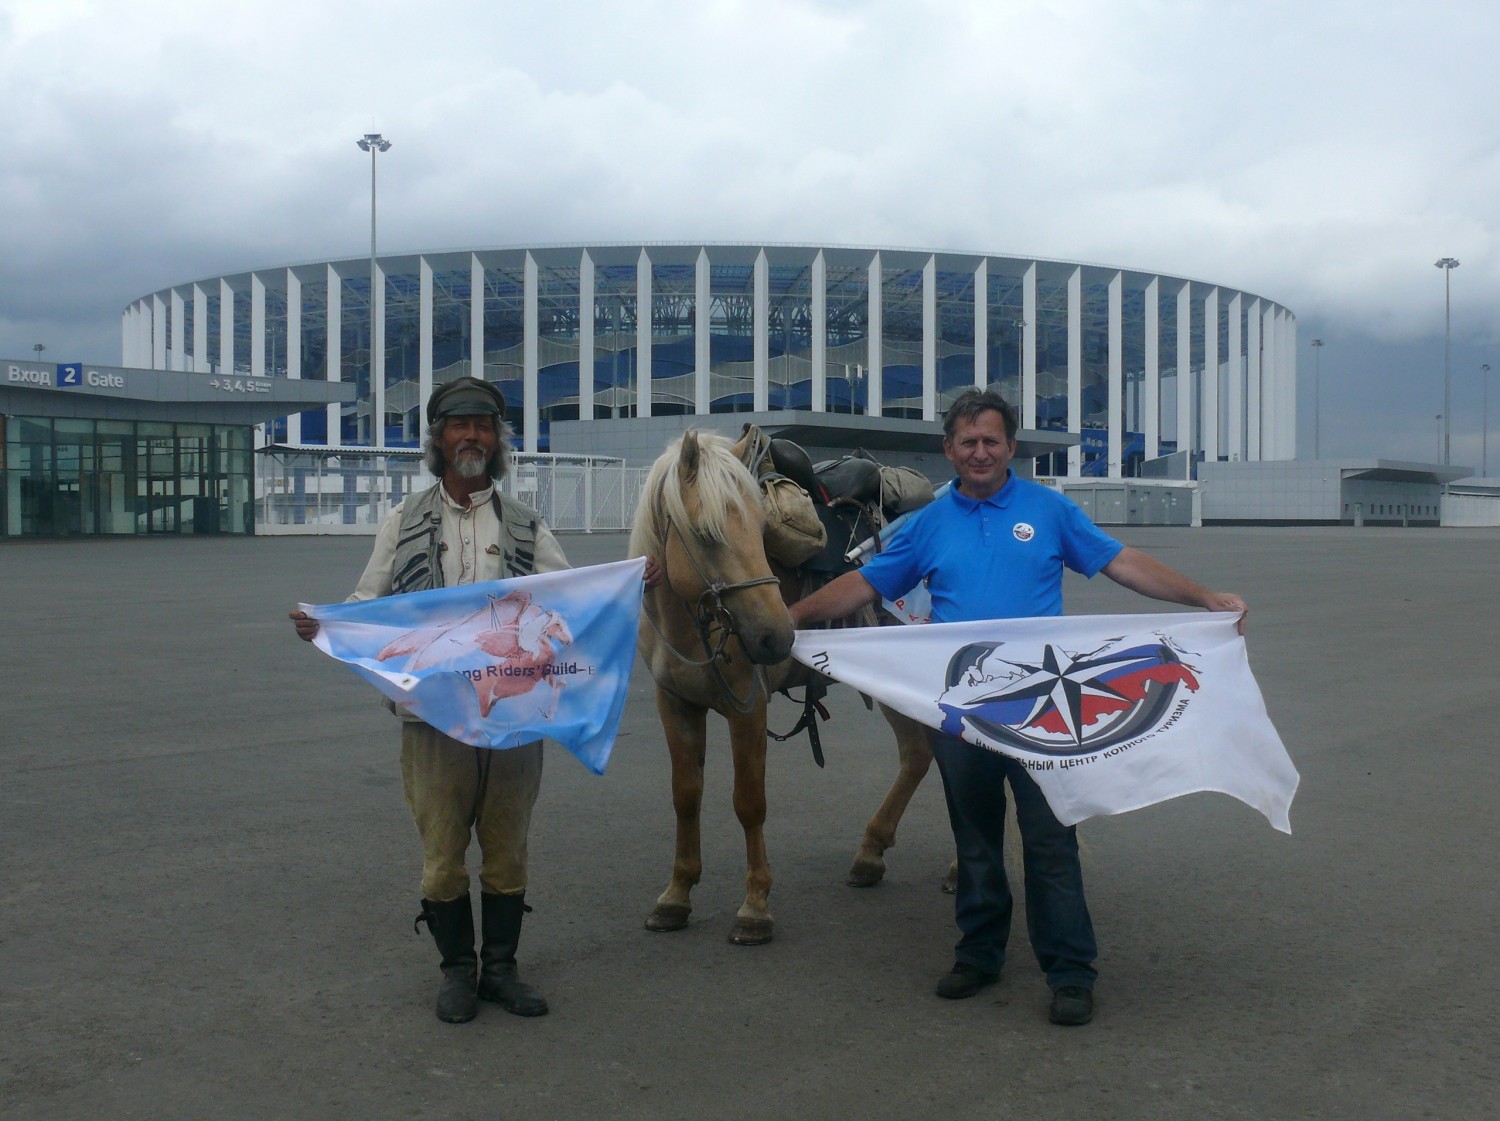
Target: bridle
{"x":708,"y":613}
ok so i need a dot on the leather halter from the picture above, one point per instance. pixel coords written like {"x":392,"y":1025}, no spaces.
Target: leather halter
{"x":710,"y":611}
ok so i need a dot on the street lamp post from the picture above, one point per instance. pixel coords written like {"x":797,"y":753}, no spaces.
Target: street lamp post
{"x":1447,"y":264}
{"x":1485,"y":443}
{"x":1317,"y":396}
{"x":38,"y":347}
{"x":373,"y":143}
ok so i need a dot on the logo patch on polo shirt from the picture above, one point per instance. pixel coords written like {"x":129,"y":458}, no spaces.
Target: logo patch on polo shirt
{"x":1022,"y":531}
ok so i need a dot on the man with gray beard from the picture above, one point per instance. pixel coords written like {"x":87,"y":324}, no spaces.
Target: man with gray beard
{"x":462,"y":530}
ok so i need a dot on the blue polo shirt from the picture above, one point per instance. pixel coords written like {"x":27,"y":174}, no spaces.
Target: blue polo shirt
{"x":1000,"y":558}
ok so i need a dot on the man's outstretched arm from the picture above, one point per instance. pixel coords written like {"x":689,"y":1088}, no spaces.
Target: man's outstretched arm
{"x":834,"y":600}
{"x":1143,"y":573}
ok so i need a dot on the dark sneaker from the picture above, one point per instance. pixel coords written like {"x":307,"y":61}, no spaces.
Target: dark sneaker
{"x":1072,"y":1005}
{"x":964,"y":980}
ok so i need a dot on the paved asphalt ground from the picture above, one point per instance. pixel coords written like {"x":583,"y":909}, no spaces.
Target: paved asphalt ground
{"x":209,"y":878}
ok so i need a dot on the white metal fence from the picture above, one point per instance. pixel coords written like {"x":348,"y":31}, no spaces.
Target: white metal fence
{"x":350,"y":490}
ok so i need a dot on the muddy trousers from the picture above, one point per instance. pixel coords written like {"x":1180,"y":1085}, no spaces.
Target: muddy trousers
{"x":454,"y":790}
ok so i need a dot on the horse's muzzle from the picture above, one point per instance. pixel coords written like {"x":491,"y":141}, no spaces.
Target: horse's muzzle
{"x":767,"y":645}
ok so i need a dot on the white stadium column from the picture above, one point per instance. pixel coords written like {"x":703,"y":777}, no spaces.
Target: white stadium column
{"x":226,"y":328}
{"x":1270,"y":407}
{"x":1186,"y":438}
{"x":257,"y":326}
{"x":761,"y":329}
{"x":875,"y":375}
{"x":333,"y":342}
{"x":293,"y":348}
{"x":929,"y":339}
{"x":476,"y":321}
{"x":702,"y":331}
{"x":1210,"y":403}
{"x":819,"y":333}
{"x":258,"y":346}
{"x":1028,"y":346}
{"x":1075,"y":368}
{"x":1234,"y":378}
{"x":424,"y":345}
{"x":377,"y":353}
{"x":158,"y":333}
{"x":585,"y":336}
{"x":1253,"y":449}
{"x":982,"y":323}
{"x":1116,"y":407}
{"x":201,"y":361}
{"x":1288,"y":380}
{"x":643,"y":316}
{"x":1151,"y":406}
{"x":531,"y":414}
{"x":177,"y":347}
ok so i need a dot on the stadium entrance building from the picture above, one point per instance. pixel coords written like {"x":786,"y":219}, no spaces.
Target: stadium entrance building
{"x":88,"y":449}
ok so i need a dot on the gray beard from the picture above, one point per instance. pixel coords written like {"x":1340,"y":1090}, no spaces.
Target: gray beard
{"x":470,"y":466}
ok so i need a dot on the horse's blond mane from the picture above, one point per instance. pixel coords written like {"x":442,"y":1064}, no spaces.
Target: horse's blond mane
{"x":723,"y":484}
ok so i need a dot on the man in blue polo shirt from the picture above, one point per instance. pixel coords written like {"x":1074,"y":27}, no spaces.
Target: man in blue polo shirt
{"x":995,"y":548}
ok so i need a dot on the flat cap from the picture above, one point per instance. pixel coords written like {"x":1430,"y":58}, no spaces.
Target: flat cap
{"x":465,"y":397}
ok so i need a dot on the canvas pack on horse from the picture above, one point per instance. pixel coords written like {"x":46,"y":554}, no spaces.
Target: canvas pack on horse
{"x":716,"y":636}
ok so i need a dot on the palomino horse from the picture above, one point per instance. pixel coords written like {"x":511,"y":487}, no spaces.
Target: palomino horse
{"x":716,"y":635}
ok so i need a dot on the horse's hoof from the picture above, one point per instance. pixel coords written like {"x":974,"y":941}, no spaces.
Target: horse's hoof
{"x":865,"y":873}
{"x":950,"y":882}
{"x":750,"y":932}
{"x":668,"y":916}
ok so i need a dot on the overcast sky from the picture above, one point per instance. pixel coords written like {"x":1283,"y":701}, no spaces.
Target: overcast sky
{"x":1322,"y":155}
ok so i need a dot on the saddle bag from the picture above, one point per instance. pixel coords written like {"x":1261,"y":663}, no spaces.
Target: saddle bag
{"x":793,"y":532}
{"x":903,"y":489}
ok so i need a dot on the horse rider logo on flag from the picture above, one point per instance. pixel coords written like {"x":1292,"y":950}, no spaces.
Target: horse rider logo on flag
{"x":505,"y":662}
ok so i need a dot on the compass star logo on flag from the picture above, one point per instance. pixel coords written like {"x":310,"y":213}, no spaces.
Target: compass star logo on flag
{"x":1060,"y":702}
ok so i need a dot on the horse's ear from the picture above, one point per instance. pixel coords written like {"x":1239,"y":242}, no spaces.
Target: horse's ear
{"x":687,"y":459}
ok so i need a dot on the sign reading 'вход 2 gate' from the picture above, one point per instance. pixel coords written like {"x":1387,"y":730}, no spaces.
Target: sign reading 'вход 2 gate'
{"x":66,"y":375}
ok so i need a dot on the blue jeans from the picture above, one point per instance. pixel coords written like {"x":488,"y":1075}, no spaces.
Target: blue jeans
{"x":1057,"y":918}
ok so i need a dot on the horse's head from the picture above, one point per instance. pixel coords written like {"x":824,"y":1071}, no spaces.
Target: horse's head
{"x":700,"y":516}
{"x":541,"y":631}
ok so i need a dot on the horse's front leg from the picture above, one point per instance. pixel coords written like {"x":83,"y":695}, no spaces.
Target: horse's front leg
{"x":880,"y":834}
{"x":687,"y":732}
{"x":747,"y":739}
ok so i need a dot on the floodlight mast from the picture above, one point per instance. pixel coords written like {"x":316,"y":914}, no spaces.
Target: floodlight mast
{"x":374,"y":143}
{"x":1485,"y":469}
{"x":1317,"y":395}
{"x":1447,"y":264}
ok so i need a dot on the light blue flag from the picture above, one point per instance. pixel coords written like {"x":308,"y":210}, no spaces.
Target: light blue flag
{"x":504,"y":662}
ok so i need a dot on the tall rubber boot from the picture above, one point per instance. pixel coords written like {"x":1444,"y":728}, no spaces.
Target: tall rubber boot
{"x":498,"y":979}
{"x":452,"y":926}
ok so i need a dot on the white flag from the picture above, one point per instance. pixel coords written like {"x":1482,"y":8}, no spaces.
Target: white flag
{"x":1108,"y":713}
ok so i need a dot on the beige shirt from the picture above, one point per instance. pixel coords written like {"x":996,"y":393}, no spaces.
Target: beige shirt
{"x":470,"y":553}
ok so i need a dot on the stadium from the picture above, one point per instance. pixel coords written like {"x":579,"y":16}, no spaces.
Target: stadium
{"x":287,"y":399}
{"x":1133,"y":365}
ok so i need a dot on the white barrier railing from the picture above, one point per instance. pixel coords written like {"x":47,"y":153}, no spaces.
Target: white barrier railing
{"x":350,"y":490}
